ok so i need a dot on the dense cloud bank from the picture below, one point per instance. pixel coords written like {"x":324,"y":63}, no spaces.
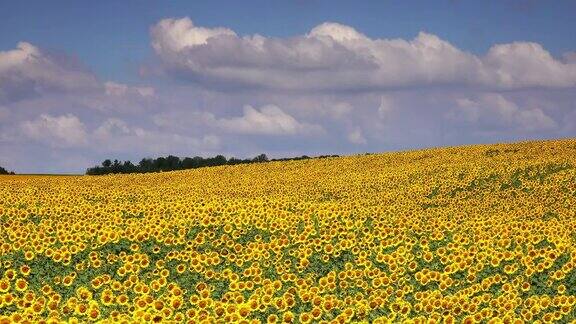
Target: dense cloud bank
{"x":335,"y":57}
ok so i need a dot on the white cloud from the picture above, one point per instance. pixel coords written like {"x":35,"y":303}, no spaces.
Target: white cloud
{"x":269,"y":120}
{"x":173,"y":35}
{"x":338,"y":109}
{"x":57,"y":131}
{"x":146,"y":91}
{"x":314,"y":107}
{"x":120,"y":89}
{"x":337,"y":57}
{"x":115,"y":135}
{"x":115,"y":89}
{"x":29,"y":74}
{"x":337,"y":32}
{"x":493,"y":111}
{"x":523,"y":64}
{"x":535,"y":120}
{"x":356,"y":137}
{"x":266,"y":120}
{"x":27,"y":71}
{"x":112,"y":127}
{"x":386,"y":107}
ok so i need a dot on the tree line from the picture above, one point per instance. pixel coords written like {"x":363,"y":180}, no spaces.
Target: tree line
{"x":4,"y":171}
{"x":171,"y":162}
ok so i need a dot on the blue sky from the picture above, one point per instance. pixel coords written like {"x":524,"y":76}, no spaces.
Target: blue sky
{"x":133,"y":72}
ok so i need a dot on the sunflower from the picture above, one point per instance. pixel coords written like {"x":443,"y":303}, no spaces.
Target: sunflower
{"x":121,"y":271}
{"x":37,"y":308}
{"x":316,"y":312}
{"x":122,"y":300}
{"x":4,"y":285}
{"x":158,"y":305}
{"x":272,"y":318}
{"x":29,"y":255}
{"x":116,"y":285}
{"x":176,"y":302}
{"x":93,"y":314}
{"x":81,"y":309}
{"x":178,"y":317}
{"x":180,"y":268}
{"x":10,"y":274}
{"x":9,"y":299}
{"x":107,"y":298}
{"x":21,"y":285}
{"x":141,"y":303}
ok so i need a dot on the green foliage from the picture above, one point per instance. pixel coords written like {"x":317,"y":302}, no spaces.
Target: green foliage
{"x":4,"y":171}
{"x":171,"y":163}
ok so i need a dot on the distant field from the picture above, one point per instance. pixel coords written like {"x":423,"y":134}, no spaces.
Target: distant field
{"x":48,"y":174}
{"x":454,"y":234}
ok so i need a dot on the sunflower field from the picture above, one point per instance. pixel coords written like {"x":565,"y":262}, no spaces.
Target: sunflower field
{"x":483,"y":233}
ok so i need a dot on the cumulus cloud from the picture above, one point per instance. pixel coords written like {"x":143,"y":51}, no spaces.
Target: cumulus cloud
{"x":523,"y":64}
{"x":268,"y":120}
{"x":120,"y":89}
{"x":337,"y":57}
{"x":57,"y":131}
{"x":28,"y":71}
{"x":340,"y":109}
{"x":386,"y":107}
{"x":31,"y":74}
{"x":173,"y":35}
{"x":356,"y":137}
{"x":493,"y":111}
{"x":114,"y":128}
{"x":115,"y":135}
